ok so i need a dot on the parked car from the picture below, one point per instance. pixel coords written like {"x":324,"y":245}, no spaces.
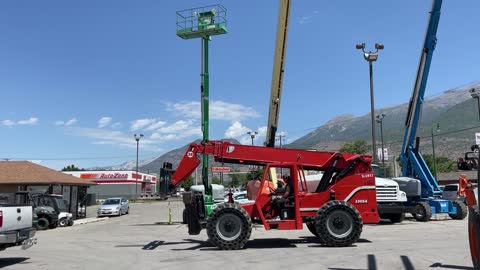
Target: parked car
{"x":451,"y":193}
{"x":238,"y":197}
{"x":113,"y":207}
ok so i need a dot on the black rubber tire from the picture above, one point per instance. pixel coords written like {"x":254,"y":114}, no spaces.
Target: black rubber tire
{"x":184,"y":216}
{"x":474,"y":235}
{"x":42,"y":224}
{"x":341,"y":214}
{"x":396,"y":218}
{"x":229,"y":218}
{"x":422,"y":212}
{"x":70,"y":222}
{"x":462,"y":210}
{"x":194,"y":226}
{"x":128,"y":211}
{"x":53,"y":225}
{"x":311,"y":227}
{"x":62,"y":222}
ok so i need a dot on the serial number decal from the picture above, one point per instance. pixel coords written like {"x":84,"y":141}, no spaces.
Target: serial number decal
{"x":361,"y":201}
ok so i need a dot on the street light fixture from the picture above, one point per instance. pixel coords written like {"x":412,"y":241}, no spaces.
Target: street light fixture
{"x":252,"y":135}
{"x":433,"y":151}
{"x":476,"y":95}
{"x":380,"y":121}
{"x":370,"y":57}
{"x":137,"y":138}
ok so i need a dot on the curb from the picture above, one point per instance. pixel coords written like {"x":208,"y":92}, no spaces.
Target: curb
{"x":88,"y":220}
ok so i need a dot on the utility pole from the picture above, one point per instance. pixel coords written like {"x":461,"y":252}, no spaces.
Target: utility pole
{"x":280,"y":138}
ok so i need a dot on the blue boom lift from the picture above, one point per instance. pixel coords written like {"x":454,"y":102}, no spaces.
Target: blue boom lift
{"x":424,"y":195}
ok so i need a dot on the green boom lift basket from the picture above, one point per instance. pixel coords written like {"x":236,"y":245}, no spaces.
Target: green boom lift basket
{"x":202,"y":22}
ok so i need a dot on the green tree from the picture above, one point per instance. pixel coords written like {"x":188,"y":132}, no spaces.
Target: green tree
{"x":356,"y":147}
{"x":216,"y":180}
{"x":188,"y":183}
{"x":72,"y":168}
{"x":256,"y":174}
{"x":238,"y":179}
{"x":443,"y":164}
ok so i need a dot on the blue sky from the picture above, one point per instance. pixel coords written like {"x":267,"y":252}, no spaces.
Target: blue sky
{"x":79,"y":78}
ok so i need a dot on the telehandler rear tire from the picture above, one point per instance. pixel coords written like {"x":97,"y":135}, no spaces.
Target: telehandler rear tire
{"x":229,"y":226}
{"x":338,"y":224}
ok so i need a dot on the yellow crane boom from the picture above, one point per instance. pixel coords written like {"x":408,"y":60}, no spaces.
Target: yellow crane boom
{"x":278,"y":70}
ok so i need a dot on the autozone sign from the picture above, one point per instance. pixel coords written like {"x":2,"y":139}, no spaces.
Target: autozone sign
{"x":104,"y":175}
{"x":220,"y":169}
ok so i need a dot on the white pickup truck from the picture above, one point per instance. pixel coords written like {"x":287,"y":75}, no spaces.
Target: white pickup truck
{"x":390,"y":199}
{"x":16,"y":227}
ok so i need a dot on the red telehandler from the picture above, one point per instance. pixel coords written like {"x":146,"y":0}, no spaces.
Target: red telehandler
{"x":334,"y":211}
{"x":468,"y":190}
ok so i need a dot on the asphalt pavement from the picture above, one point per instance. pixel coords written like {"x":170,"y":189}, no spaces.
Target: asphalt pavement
{"x":145,"y":240}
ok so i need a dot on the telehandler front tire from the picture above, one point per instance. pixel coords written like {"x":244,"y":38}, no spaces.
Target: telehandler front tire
{"x":229,"y":226}
{"x":338,"y":224}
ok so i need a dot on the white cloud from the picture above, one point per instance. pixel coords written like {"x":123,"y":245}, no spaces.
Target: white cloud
{"x":219,"y":110}
{"x":104,"y":121}
{"x":177,"y":131}
{"x":8,"y":123}
{"x":108,"y":137}
{"x":307,"y":18}
{"x":246,"y":140}
{"x":262,"y":131}
{"x":141,"y":123}
{"x":63,"y":123}
{"x":304,"y":19}
{"x":28,"y":122}
{"x":116,"y":125}
{"x":236,"y":130}
{"x":71,"y":122}
{"x":156,"y":125}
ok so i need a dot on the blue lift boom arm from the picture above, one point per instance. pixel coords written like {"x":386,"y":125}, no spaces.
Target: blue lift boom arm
{"x":413,"y":164}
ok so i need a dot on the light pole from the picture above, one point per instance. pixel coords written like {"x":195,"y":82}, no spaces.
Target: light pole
{"x":137,"y":138}
{"x":380,"y":121}
{"x":252,"y":135}
{"x":371,"y":57}
{"x":433,"y":152}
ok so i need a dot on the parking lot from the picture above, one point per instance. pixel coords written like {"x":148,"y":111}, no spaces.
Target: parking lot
{"x":144,"y":240}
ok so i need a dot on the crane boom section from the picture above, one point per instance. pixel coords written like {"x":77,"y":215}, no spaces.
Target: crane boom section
{"x":277,"y":74}
{"x":413,"y":163}
{"x":256,"y":155}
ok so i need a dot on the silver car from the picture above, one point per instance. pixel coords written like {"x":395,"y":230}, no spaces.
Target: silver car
{"x":451,"y":193}
{"x":113,"y":207}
